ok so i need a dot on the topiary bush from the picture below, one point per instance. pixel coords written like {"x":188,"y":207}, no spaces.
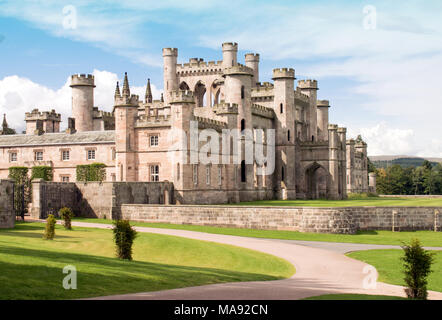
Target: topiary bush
{"x":66,"y":214}
{"x":42,"y":172}
{"x":50,"y":228}
{"x":91,"y":172}
{"x":124,"y":236}
{"x":417,"y":267}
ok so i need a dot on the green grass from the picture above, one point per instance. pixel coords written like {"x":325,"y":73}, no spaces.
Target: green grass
{"x":31,"y":268}
{"x":427,"y":238}
{"x":349,"y":296}
{"x":389,"y":266}
{"x":355,"y":201}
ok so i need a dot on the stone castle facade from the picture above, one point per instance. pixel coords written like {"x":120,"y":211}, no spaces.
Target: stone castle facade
{"x":149,"y":140}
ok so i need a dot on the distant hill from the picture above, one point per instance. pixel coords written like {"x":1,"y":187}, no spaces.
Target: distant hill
{"x":403,"y":161}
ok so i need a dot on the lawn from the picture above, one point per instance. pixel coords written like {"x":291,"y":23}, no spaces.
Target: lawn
{"x":427,"y":238}
{"x":389,"y":266}
{"x":354,"y":202}
{"x":349,"y":296}
{"x":31,"y":268}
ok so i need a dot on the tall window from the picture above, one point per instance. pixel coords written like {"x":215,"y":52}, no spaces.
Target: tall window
{"x":13,"y":157}
{"x":38,"y":156}
{"x":114,"y":154}
{"x":195,"y":174}
{"x":281,"y":107}
{"x":243,"y":124}
{"x":91,"y":154}
{"x":178,"y":171}
{"x":155,"y":173}
{"x":242,"y":92}
{"x":65,"y":155}
{"x":208,"y":175}
{"x":153,"y":141}
{"x":220,"y":175}
{"x":243,"y":171}
{"x":282,"y":174}
{"x":288,"y":135}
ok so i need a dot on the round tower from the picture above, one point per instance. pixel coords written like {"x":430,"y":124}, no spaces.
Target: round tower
{"x":82,"y":101}
{"x":252,"y":61}
{"x":170,"y":56}
{"x":230,"y":53}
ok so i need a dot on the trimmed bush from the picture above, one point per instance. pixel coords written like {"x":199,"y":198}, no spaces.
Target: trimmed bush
{"x":91,"y":172}
{"x":417,"y":265}
{"x":66,"y":214}
{"x":50,"y":228}
{"x":124,"y":236}
{"x":42,"y":172}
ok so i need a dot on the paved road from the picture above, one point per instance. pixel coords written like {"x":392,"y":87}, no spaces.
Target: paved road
{"x":318,"y":271}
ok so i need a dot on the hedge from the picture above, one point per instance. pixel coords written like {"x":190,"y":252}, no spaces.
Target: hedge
{"x":42,"y":172}
{"x":91,"y":172}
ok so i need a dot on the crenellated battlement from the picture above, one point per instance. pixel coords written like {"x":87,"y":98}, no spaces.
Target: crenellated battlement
{"x":332,"y":127}
{"x":182,"y":96}
{"x":342,"y":130}
{"x":308,"y":84}
{"x":196,"y":68}
{"x":133,"y":100}
{"x":206,"y":123}
{"x":323,"y":103}
{"x":35,"y":114}
{"x":230,"y":46}
{"x":301,"y":96}
{"x":170,"y":52}
{"x":252,"y":57}
{"x":262,"y":111}
{"x":146,"y":121}
{"x":225,"y":108}
{"x":238,"y":70}
{"x":101,"y":113}
{"x":82,"y":80}
{"x":283,"y":73}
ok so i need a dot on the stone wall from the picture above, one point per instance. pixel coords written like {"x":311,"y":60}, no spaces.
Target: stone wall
{"x":95,"y":199}
{"x":304,"y":219}
{"x":7,"y":213}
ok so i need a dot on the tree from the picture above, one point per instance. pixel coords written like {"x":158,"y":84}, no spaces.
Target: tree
{"x":417,"y":267}
{"x":418,"y":180}
{"x":124,"y":236}
{"x":50,"y":228}
{"x":66,"y":214}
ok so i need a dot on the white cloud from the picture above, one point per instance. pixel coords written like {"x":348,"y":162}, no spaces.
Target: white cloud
{"x":19,"y":95}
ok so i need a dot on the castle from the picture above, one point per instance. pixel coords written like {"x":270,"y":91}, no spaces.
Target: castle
{"x":151,"y":140}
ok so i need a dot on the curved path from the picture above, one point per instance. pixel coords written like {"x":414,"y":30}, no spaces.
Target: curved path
{"x":318,"y":271}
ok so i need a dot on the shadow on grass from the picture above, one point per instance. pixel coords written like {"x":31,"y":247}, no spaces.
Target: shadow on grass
{"x":98,"y":276}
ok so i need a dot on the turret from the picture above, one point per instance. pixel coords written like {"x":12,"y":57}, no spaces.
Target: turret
{"x":310,"y":88}
{"x":50,"y":121}
{"x":333,"y":145}
{"x":170,"y":56}
{"x":323,"y":110}
{"x":230,"y":53}
{"x":148,"y":98}
{"x":350,"y":155}
{"x":284,"y":107}
{"x":252,"y":61}
{"x":82,"y":101}
{"x":342,"y":187}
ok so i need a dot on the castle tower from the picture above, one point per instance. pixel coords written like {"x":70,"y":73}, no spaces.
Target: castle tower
{"x":284,"y":107}
{"x":310,"y":88}
{"x":125,"y":109}
{"x":252,"y":61}
{"x":361,"y":146}
{"x":148,"y":98}
{"x":342,"y":170}
{"x":182,"y":106}
{"x":170,"y":56}
{"x":230,"y":54}
{"x":333,"y":162}
{"x":237,"y":88}
{"x":82,"y":101}
{"x":50,"y":121}
{"x":350,"y":154}
{"x":323,"y":110}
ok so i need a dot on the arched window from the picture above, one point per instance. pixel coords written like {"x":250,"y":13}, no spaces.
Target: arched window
{"x":313,"y":138}
{"x":243,"y":171}
{"x":288,"y":135}
{"x":242,"y":92}
{"x":281,"y":106}
{"x":243,"y":124}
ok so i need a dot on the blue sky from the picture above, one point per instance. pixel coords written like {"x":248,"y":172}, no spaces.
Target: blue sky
{"x":382,"y":81}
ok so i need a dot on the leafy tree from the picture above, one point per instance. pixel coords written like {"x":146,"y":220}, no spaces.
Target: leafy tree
{"x":50,"y":228}
{"x":66,"y":214}
{"x":124,"y":236}
{"x":417,"y":267}
{"x":418,"y":180}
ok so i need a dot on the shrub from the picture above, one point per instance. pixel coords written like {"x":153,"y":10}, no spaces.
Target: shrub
{"x":66,"y":214}
{"x":91,"y":172}
{"x":417,"y":265}
{"x":50,"y":228}
{"x":124,"y":236}
{"x":42,"y":172}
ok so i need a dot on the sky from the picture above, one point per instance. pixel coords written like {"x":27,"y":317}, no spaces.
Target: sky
{"x":378,"y":62}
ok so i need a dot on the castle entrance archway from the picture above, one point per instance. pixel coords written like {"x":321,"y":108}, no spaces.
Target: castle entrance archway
{"x":316,"y":181}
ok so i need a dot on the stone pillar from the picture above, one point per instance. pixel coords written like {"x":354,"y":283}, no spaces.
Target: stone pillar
{"x":333,"y":161}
